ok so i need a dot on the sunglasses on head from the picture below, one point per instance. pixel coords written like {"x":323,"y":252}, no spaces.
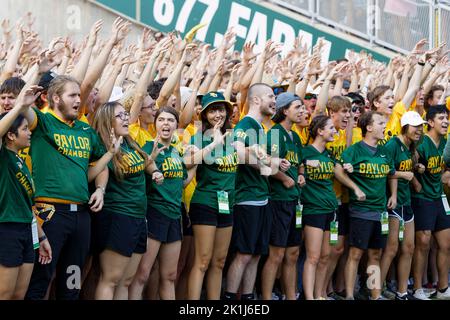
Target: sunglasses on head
{"x":310,"y":96}
{"x":278,"y":90}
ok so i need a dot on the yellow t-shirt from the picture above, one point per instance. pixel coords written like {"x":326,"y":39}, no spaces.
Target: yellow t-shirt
{"x":393,"y":126}
{"x":335,"y":148}
{"x":139,"y":134}
{"x":357,"y":135}
{"x":303,"y":133}
{"x":188,"y":191}
{"x":448,"y":103}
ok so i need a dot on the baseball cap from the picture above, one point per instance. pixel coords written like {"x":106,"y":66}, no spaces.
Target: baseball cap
{"x":285,"y":99}
{"x":412,"y":118}
{"x":214,"y":97}
{"x":45,"y":80}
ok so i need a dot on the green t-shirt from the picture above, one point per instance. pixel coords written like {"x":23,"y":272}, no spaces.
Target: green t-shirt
{"x":431,"y":157}
{"x":370,"y":173}
{"x":17,"y":189}
{"x":318,"y":195}
{"x":127,"y":196}
{"x":401,"y":156}
{"x":281,"y":145}
{"x":216,"y":173}
{"x":60,"y":157}
{"x":166,"y":198}
{"x":250,"y":184}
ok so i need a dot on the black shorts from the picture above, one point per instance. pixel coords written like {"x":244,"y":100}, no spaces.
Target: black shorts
{"x":120,"y":233}
{"x":17,"y":244}
{"x":251,"y":231}
{"x":284,"y":233}
{"x":205,"y":215}
{"x":430,"y":215}
{"x":187,"y":223}
{"x":343,"y":217}
{"x":321,"y":221}
{"x":404,"y":212}
{"x":366,"y":234}
{"x":163,"y":229}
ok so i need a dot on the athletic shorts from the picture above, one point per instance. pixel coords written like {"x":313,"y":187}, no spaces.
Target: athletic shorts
{"x":162,"y":228}
{"x":187,"y":223}
{"x":430,"y":215}
{"x":343,"y":217}
{"x":17,"y":244}
{"x":404,"y":212}
{"x":321,"y":221}
{"x":120,"y":233}
{"x":366,"y":234}
{"x":205,"y":215}
{"x":284,"y":233}
{"x":251,"y":231}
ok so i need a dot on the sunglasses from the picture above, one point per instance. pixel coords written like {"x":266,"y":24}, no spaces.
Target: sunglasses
{"x":310,"y":96}
{"x":278,"y":90}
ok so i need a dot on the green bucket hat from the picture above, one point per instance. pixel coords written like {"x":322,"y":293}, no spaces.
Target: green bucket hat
{"x":215,"y":97}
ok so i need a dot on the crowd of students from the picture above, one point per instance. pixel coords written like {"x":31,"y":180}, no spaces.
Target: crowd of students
{"x":168,"y":170}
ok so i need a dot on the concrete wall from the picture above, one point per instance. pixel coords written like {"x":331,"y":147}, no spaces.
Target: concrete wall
{"x":72,"y":18}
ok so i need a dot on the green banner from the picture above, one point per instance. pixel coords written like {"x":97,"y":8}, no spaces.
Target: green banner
{"x":251,"y":22}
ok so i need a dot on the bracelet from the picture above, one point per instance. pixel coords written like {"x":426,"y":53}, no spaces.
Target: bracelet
{"x":102,"y":188}
{"x":44,"y":237}
{"x":156,"y":170}
{"x":421,"y":63}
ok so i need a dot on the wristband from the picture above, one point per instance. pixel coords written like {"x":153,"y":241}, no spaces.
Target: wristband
{"x":421,"y":63}
{"x":44,"y":237}
{"x":102,"y":188}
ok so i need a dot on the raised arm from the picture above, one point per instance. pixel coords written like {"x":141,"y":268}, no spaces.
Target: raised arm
{"x":119,"y":31}
{"x":79,"y":71}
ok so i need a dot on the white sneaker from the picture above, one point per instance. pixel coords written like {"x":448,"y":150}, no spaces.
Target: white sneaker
{"x":443,"y":296}
{"x":420,"y":294}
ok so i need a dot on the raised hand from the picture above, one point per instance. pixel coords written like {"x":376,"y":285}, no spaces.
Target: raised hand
{"x":28,"y":97}
{"x":156,"y":150}
{"x":247,"y":52}
{"x":218,"y":137}
{"x":93,"y":33}
{"x":419,"y":47}
{"x":46,"y":61}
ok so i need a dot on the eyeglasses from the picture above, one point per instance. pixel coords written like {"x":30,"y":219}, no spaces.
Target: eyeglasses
{"x":151,"y":106}
{"x":310,"y":96}
{"x":123,"y":116}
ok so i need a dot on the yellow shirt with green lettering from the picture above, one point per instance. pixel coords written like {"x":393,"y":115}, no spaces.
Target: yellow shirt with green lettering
{"x":335,"y":149}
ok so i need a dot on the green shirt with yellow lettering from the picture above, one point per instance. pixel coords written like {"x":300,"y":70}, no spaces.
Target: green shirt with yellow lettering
{"x":60,"y":155}
{"x":284,"y":145}
{"x":431,"y":157}
{"x":216,"y":173}
{"x":401,"y":155}
{"x":166,"y":198}
{"x":250,"y":184}
{"x":16,"y":192}
{"x":318,"y":196}
{"x":128,"y":195}
{"x":370,"y":171}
